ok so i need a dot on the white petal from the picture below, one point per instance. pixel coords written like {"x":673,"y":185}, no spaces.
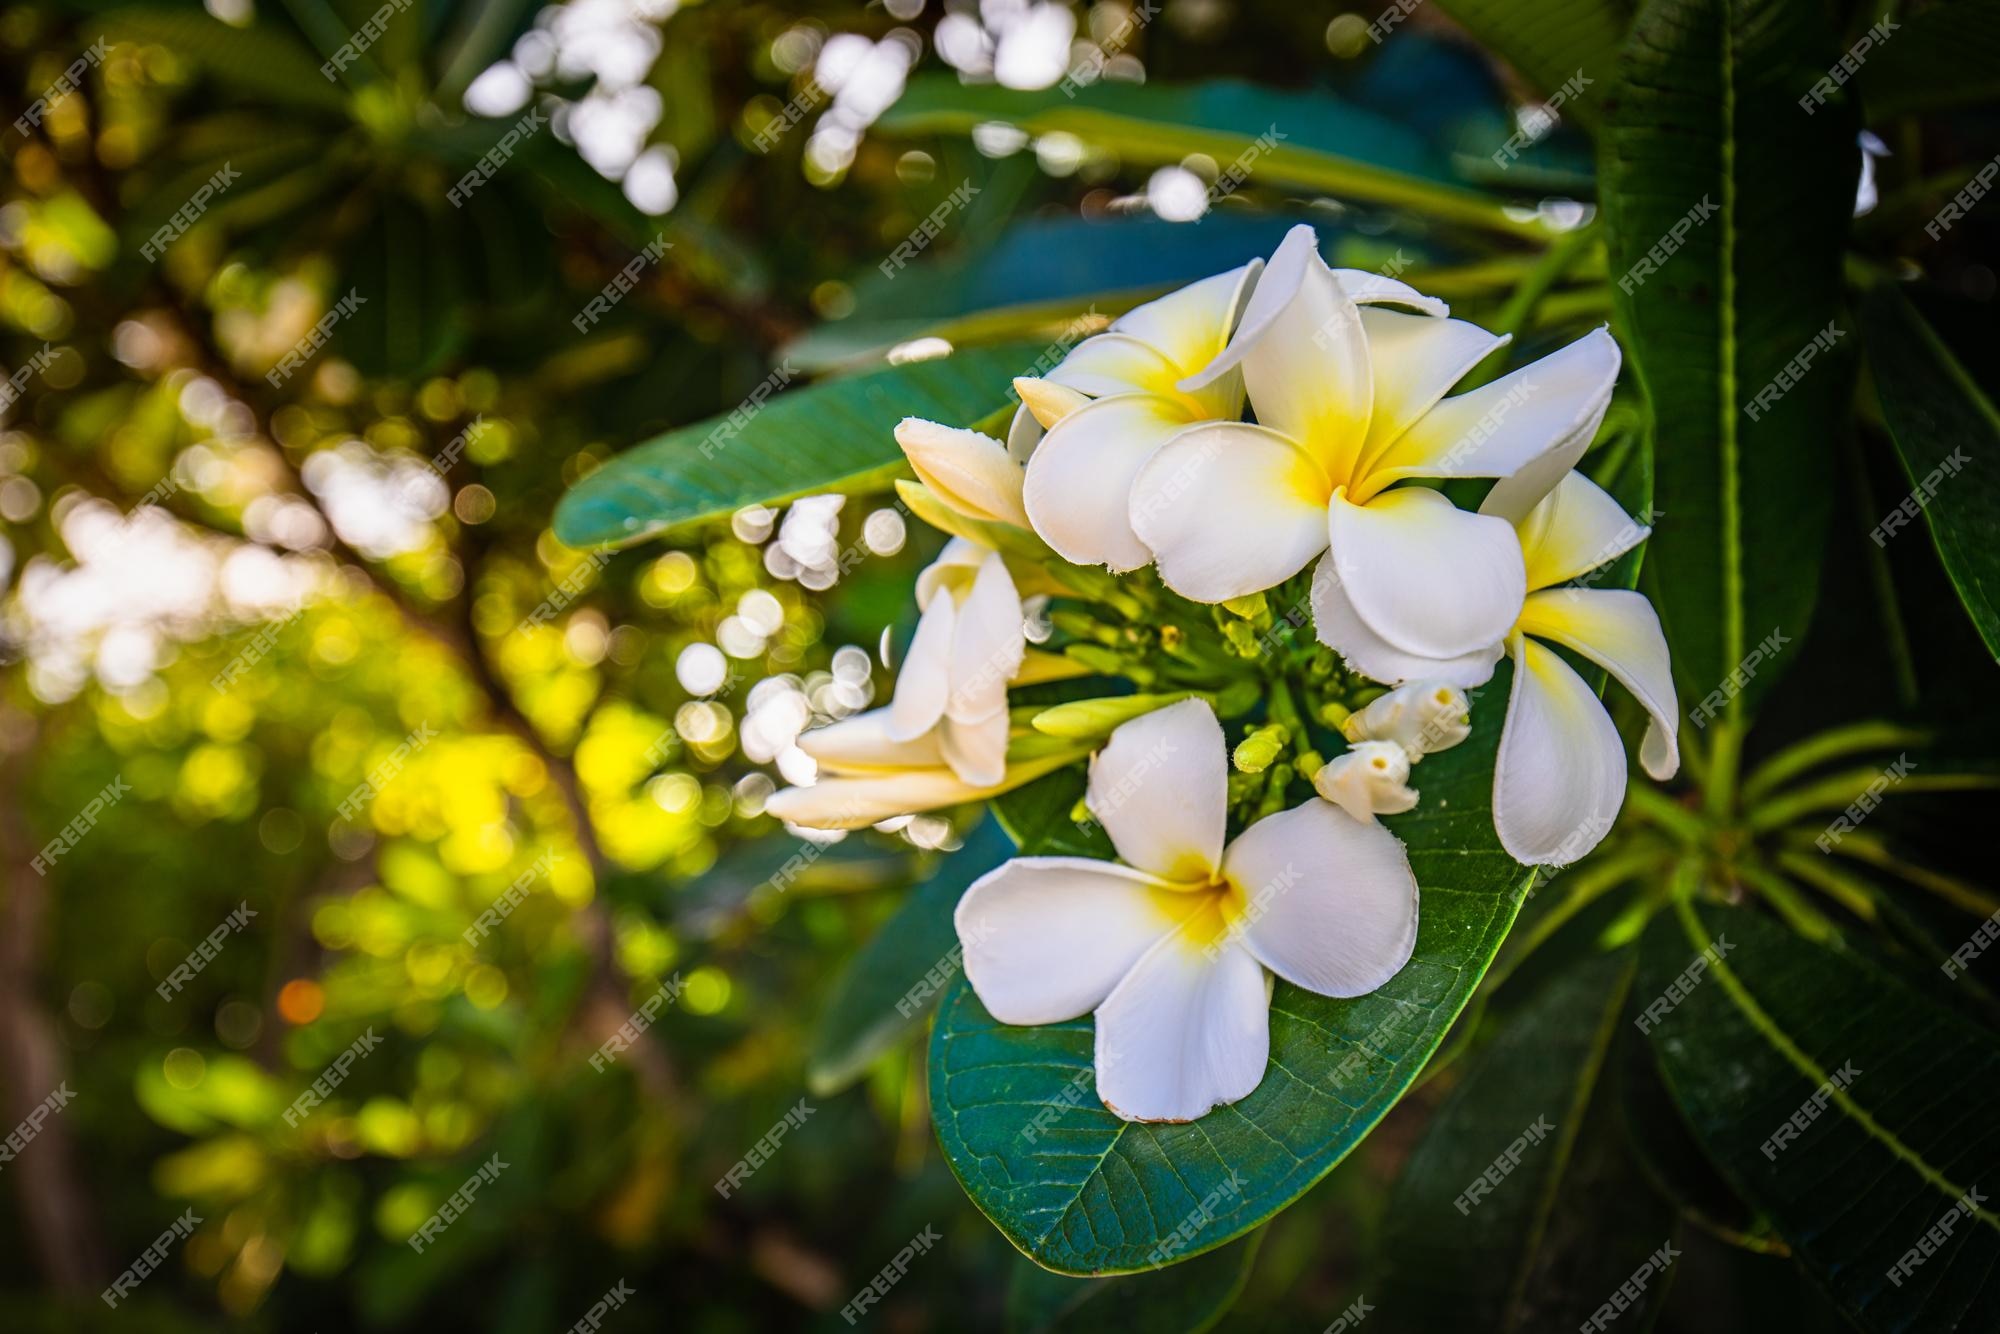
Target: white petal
{"x":1341,"y":629}
{"x":1426,"y":576}
{"x":856,"y":803}
{"x":1024,"y":432}
{"x":1560,"y":778}
{"x":1366,"y":287}
{"x":1305,"y":357}
{"x":960,"y":560}
{"x":976,"y":752}
{"x":1184,"y":1033}
{"x":1112,"y":363}
{"x":862,"y":744}
{"x":1047,"y":401}
{"x":968,"y":471}
{"x":1160,"y":788}
{"x":1527,"y":428}
{"x":1332,"y":903}
{"x":1270,"y":292}
{"x":1577,"y":528}
{"x":987,"y":644}
{"x":924,"y":684}
{"x":1048,"y":938}
{"x":1422,"y":717}
{"x":1230,"y":509}
{"x":1415,"y":360}
{"x":1372,"y":778}
{"x":1192,"y":325}
{"x":1079,"y":488}
{"x":1620,"y":632}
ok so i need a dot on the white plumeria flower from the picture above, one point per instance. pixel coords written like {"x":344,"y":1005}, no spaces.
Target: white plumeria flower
{"x":1350,"y":401}
{"x":969,"y":643}
{"x":1113,"y":401}
{"x":969,"y":473}
{"x":1170,"y":950}
{"x":1560,"y":779}
{"x":1421,"y":717}
{"x":1372,"y":778}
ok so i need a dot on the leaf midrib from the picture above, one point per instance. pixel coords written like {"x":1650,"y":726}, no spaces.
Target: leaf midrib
{"x":1586,"y":1089}
{"x":1732,"y":500}
{"x":1767,"y":1028}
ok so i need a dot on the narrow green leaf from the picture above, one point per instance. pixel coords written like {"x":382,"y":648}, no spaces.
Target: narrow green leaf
{"x":1309,"y":140}
{"x":890,"y":985}
{"x":1083,"y":1192}
{"x":1948,"y":437}
{"x":830,"y":436}
{"x":1795,"y":1067}
{"x":1041,"y":272}
{"x":265,"y":58}
{"x":1725,"y":238}
{"x":1529,"y":1244}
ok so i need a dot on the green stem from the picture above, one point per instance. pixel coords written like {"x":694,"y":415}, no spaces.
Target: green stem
{"x":1657,"y":807}
{"x":1534,"y":285}
{"x":1725,"y":759}
{"x":1797,"y":758}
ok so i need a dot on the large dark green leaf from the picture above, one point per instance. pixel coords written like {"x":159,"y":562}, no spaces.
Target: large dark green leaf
{"x":888,"y":988}
{"x":1326,"y":144}
{"x":1083,"y":1192}
{"x":1549,"y":41}
{"x":1948,"y":436}
{"x":1945,"y":54}
{"x":1539,"y":1249}
{"x":829,"y":436}
{"x":1181,"y":1299}
{"x":1759,"y":1034}
{"x":1725,"y":242}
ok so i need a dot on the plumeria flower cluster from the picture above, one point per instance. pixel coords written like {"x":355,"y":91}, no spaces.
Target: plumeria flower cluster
{"x":1187,"y":490}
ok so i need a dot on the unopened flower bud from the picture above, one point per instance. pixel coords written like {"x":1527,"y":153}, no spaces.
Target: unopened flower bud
{"x":1371,"y":779}
{"x":1421,"y":717}
{"x":1097,"y":717}
{"x":1258,"y":751}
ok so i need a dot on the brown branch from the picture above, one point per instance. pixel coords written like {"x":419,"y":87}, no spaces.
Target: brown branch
{"x":608,"y":1003}
{"x":61,"y":1224}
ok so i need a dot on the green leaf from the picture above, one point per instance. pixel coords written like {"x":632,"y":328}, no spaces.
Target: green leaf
{"x":1724,"y":241}
{"x":889,"y":986}
{"x":1946,"y":54}
{"x":1753,"y":1043}
{"x":1548,"y":41}
{"x":830,"y":436}
{"x":406,"y":268}
{"x":1326,"y":144}
{"x":1038,"y":818}
{"x":1083,"y":1192}
{"x":1940,"y":419}
{"x":1183,"y":1299}
{"x":1537,"y":1249}
{"x":266,"y":58}
{"x":1041,"y":272}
